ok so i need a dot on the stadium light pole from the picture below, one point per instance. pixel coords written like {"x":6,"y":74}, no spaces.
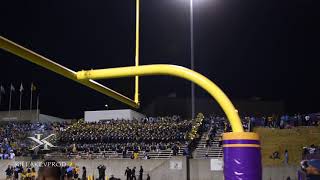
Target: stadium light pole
{"x":192,"y":68}
{"x":192,"y":60}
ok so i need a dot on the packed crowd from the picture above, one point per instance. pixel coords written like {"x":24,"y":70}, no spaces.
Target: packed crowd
{"x":273,"y":121}
{"x":149,"y":134}
{"x":19,"y":172}
{"x":118,"y":147}
{"x":13,"y":136}
{"x":284,"y":121}
{"x":113,"y":131}
{"x":146,"y":135}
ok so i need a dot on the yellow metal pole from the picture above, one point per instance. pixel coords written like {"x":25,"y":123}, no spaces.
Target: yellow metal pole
{"x":33,"y":57}
{"x":136,"y":93}
{"x":171,"y":70}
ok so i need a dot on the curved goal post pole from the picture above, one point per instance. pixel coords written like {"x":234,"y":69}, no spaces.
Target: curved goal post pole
{"x":171,"y":70}
{"x":242,"y":155}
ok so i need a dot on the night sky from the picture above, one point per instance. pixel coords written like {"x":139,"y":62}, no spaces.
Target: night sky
{"x":250,"y":48}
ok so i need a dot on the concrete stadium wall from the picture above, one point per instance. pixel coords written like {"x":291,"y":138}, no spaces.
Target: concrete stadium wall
{"x":280,"y":172}
{"x":200,"y":170}
{"x":47,"y":118}
{"x":27,"y":115}
{"x":160,"y":169}
{"x":18,"y":115}
{"x":126,"y":114}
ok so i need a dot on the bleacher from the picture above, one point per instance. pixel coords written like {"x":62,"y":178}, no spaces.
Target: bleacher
{"x":162,"y":147}
{"x":213,"y":151}
{"x":162,"y":154}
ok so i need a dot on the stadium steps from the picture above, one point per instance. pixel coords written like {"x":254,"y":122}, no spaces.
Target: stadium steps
{"x":214,"y":151}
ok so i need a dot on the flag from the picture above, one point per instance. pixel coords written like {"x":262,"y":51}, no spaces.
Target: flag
{"x":2,"y":91}
{"x":33,"y":87}
{"x":20,"y":102}
{"x":21,"y":88}
{"x":12,"y":88}
{"x":38,"y":108}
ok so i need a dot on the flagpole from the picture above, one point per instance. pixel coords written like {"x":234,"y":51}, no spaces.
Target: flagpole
{"x":20,"y":104}
{"x":10,"y":102}
{"x":38,"y":108}
{"x":1,"y":92}
{"x":31,"y":99}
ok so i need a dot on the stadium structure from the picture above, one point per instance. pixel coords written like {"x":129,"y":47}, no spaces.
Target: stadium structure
{"x":168,"y":147}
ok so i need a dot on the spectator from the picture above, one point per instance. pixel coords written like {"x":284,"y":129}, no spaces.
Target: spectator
{"x":286,"y":157}
{"x":84,"y":173}
{"x":220,"y":141}
{"x":175,"y":150}
{"x":102,"y":172}
{"x":49,"y":172}
{"x":124,"y":152}
{"x":136,"y":155}
{"x":16,"y":173}
{"x":206,"y":156}
{"x":33,"y":173}
{"x":312,"y":149}
{"x":128,"y":173}
{"x":133,"y":174}
{"x":275,"y":155}
{"x":9,"y":172}
{"x":69,"y":172}
{"x":313,"y":169}
{"x":307,"y":120}
{"x":141,"y":173}
{"x":28,"y":175}
{"x":282,"y":123}
{"x":24,"y":174}
{"x":207,"y":142}
{"x":148,"y":177}
{"x":112,"y":178}
{"x":76,"y":172}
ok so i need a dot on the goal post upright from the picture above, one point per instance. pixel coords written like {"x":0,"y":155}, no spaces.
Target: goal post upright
{"x":137,"y":53}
